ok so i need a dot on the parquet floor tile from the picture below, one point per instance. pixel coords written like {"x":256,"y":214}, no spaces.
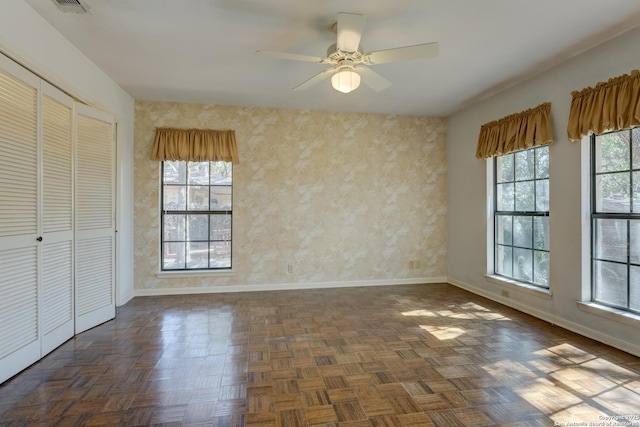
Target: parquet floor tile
{"x":418,"y":356}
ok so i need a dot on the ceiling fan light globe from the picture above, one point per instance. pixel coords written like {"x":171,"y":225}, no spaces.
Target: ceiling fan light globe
{"x":345,"y":81}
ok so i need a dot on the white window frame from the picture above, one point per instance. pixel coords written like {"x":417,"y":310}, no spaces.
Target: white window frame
{"x":491,"y":276}
{"x":188,"y":272}
{"x":587,"y":302}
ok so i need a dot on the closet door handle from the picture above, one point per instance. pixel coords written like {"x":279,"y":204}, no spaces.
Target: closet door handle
{"x":39,"y":239}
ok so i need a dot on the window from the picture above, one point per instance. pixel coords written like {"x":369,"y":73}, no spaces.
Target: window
{"x":196,"y":215}
{"x":521,"y":216}
{"x":615,"y":219}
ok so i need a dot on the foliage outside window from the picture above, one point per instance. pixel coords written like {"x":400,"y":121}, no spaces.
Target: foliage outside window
{"x":615,"y":219}
{"x":196,"y":215}
{"x":521,"y":216}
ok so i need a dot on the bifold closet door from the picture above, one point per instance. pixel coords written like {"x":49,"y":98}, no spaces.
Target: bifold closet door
{"x":94,"y":218}
{"x":56,"y":267}
{"x":19,"y":245}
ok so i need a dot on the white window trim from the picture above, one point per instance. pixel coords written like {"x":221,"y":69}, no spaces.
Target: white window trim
{"x":167,"y":274}
{"x":506,"y":282}
{"x":585,"y":202}
{"x":615,"y":314}
{"x":490,"y":220}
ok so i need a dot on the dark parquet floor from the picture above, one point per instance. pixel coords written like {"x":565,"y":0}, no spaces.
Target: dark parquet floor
{"x":419,"y":355}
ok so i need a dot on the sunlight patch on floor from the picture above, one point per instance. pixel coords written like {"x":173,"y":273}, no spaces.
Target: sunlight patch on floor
{"x":444,"y":332}
{"x":425,"y":313}
{"x":579,"y":387}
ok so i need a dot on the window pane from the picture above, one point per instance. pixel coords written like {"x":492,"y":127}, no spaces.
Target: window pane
{"x":541,"y":268}
{"x":198,"y":227}
{"x":197,"y":254}
{"x":174,"y":198}
{"x":634,"y":241}
{"x":504,"y":171}
{"x":173,"y":256}
{"x":198,"y":198}
{"x":612,"y":192}
{"x":504,"y":260}
{"x":199,"y":173}
{"x":636,"y":191}
{"x":542,"y":195}
{"x":174,"y":172}
{"x":504,"y":234}
{"x":522,"y":264}
{"x":542,"y":162}
{"x":220,"y":254}
{"x":634,"y":291}
{"x":524,"y":196}
{"x":612,"y":152}
{"x":611,"y":239}
{"x":635,"y":138}
{"x":220,"y":198}
{"x":220,"y":227}
{"x":220,"y":173}
{"x":611,"y":283}
{"x":522,"y":231}
{"x":505,"y":197}
{"x":541,"y":232}
{"x":524,"y":165}
{"x":173,"y":227}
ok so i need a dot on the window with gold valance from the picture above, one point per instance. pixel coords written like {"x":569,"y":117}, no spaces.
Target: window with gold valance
{"x":195,"y":145}
{"x":530,"y":128}
{"x":196,"y":198}
{"x":609,"y":114}
{"x":519,"y":195}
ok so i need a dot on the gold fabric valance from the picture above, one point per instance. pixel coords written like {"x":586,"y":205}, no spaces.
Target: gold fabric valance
{"x":530,"y":128}
{"x":195,"y":145}
{"x":609,"y":106}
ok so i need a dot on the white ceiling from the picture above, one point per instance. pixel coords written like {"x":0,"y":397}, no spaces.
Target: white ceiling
{"x":203,"y":50}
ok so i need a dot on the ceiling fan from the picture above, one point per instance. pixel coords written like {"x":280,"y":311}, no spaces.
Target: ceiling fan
{"x":348,"y":60}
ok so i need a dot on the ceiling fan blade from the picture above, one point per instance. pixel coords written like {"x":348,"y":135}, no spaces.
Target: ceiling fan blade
{"x":289,"y":56}
{"x":315,"y":79}
{"x":372,"y":79}
{"x":406,"y":53}
{"x":350,"y":26}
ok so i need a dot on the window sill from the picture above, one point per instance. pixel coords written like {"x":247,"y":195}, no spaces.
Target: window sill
{"x":615,"y":314}
{"x":197,"y":273}
{"x":519,"y":286}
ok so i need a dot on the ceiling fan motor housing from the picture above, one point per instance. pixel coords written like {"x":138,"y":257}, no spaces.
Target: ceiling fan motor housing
{"x":336,"y":55}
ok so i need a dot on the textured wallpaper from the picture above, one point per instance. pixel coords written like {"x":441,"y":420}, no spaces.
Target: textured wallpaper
{"x":338,"y":196}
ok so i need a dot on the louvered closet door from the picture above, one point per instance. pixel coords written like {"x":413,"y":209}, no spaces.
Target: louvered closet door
{"x":95,"y":216}
{"x":19,"y":320}
{"x":57,"y":218}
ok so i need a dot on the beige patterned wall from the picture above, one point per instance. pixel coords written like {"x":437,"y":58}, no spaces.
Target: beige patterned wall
{"x":341,"y":197}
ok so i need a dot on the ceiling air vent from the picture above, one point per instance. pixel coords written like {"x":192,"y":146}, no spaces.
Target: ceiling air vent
{"x":72,"y":6}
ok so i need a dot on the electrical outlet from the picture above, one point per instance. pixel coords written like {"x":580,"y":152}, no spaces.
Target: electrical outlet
{"x":504,"y":293}
{"x":417,"y":264}
{"x":411,"y":265}
{"x":289,"y":268}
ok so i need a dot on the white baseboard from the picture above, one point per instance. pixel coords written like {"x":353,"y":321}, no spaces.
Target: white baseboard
{"x":286,"y":286}
{"x":505,"y":301}
{"x":553,"y":318}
